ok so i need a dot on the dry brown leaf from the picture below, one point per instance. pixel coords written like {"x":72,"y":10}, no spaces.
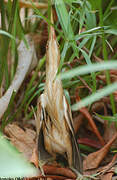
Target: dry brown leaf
{"x":94,"y":159}
{"x":46,"y":178}
{"x":108,"y":170}
{"x":89,"y":142}
{"x":109,"y":166}
{"x":24,"y":141}
{"x":109,"y":131}
{"x":85,"y":112}
{"x":77,"y":121}
{"x":34,"y":158}
{"x":53,"y":170}
{"x":55,"y":173}
{"x":102,"y":171}
{"x":107,"y":176}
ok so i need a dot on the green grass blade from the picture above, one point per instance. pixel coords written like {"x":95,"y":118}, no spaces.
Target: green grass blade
{"x":64,"y":20}
{"x":105,"y":55}
{"x":85,"y":69}
{"x":95,"y":96}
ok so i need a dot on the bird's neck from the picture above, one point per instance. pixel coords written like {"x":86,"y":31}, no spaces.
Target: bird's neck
{"x":52,"y":59}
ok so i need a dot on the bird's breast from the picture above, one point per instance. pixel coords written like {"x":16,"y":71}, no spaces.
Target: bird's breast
{"x":56,"y":139}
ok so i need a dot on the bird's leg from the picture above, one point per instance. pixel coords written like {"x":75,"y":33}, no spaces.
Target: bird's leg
{"x":84,"y":177}
{"x":79,"y":175}
{"x":41,"y":163}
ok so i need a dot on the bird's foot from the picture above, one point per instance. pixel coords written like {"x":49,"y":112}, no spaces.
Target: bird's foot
{"x":84,"y":177}
{"x":41,"y":163}
{"x":79,"y":175}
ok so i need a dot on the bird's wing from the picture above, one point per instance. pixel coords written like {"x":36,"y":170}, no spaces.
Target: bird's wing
{"x":41,"y":119}
{"x":77,"y":163}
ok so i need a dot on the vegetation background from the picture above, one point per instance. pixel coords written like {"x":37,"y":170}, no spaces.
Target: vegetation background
{"x":87,"y":34}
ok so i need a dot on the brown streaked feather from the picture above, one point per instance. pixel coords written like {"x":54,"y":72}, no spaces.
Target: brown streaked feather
{"x":76,"y":158}
{"x":40,"y":122}
{"x":43,"y":154}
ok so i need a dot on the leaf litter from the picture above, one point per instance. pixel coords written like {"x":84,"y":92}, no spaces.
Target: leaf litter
{"x":24,"y":139}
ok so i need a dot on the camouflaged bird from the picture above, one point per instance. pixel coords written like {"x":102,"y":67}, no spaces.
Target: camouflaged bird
{"x":54,"y":120}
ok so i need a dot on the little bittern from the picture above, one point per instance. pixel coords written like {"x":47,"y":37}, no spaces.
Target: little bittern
{"x":54,"y":120}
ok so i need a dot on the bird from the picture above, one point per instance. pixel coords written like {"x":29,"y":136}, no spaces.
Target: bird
{"x":54,"y":121}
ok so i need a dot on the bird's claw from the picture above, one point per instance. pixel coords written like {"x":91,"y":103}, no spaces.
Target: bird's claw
{"x":41,"y":163}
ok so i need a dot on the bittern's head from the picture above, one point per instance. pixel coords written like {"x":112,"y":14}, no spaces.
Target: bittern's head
{"x":52,"y":54}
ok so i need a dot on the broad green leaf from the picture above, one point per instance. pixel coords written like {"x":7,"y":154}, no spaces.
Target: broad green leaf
{"x":12,"y":163}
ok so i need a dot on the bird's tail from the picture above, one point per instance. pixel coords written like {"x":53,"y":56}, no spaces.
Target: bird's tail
{"x":76,"y":157}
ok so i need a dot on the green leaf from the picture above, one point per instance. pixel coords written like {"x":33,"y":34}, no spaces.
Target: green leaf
{"x":89,"y":69}
{"x":108,"y":118}
{"x":85,"y":69}
{"x":95,"y":96}
{"x":6,"y":34}
{"x":12,"y":163}
{"x":64,"y":19}
{"x":111,"y":31}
